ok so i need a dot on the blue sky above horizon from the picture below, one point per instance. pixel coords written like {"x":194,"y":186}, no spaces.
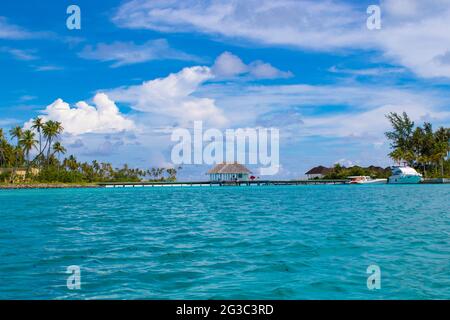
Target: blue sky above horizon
{"x":139,"y":68}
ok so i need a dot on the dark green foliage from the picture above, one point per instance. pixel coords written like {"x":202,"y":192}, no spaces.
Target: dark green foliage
{"x":419,"y":147}
{"x":340,"y":172}
{"x":52,"y":174}
{"x":44,"y":141}
{"x":5,"y":176}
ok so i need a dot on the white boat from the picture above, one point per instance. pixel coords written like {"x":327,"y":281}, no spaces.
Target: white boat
{"x":365,"y":180}
{"x":404,"y":175}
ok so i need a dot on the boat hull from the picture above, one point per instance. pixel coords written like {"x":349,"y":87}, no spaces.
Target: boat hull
{"x":376,"y":181}
{"x":404,"y":179}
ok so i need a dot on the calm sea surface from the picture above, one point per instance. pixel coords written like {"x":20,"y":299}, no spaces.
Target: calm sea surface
{"x":293,"y":242}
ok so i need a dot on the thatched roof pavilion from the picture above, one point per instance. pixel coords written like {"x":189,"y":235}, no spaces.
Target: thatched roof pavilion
{"x":229,"y":172}
{"x":317,"y":172}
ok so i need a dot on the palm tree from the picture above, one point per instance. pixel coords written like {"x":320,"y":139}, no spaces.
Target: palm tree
{"x":51,"y":130}
{"x":107,"y":170}
{"x":71,"y":163}
{"x":38,"y":125}
{"x":441,"y":147}
{"x":4,"y":147}
{"x":16,"y":132}
{"x":87,"y":171}
{"x":152,"y":172}
{"x":2,"y":151}
{"x":172,"y":172}
{"x":96,"y":168}
{"x":397,"y":155}
{"x":58,"y":149}
{"x":159,"y":172}
{"x":419,"y":150}
{"x":28,"y":142}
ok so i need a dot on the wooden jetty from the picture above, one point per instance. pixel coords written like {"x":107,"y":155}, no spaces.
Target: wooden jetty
{"x":220,"y":183}
{"x":436,"y":180}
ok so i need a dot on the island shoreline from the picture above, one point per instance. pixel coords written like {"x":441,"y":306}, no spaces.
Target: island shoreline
{"x":47,"y":186}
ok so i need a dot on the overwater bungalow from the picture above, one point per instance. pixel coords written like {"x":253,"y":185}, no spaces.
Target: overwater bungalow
{"x":317,"y":172}
{"x":229,"y":172}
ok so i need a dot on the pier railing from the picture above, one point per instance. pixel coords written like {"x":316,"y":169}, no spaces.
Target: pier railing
{"x":222,"y":183}
{"x":436,"y":180}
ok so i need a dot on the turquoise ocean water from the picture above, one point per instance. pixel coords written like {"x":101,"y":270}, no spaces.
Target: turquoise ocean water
{"x":292,"y":242}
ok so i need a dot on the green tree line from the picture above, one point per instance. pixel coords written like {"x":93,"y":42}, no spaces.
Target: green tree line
{"x":43,"y":142}
{"x":420,"y":147}
{"x":341,"y":172}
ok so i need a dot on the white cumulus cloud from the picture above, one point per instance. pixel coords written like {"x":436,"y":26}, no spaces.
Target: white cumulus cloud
{"x":230,"y":65}
{"x":104,"y":117}
{"x":173,"y":97}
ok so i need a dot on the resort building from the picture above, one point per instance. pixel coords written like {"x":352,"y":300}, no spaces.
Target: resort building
{"x":229,"y":172}
{"x":19,"y":173}
{"x":317,"y":172}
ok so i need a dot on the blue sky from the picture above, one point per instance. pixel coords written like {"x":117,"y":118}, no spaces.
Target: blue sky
{"x":137,"y":69}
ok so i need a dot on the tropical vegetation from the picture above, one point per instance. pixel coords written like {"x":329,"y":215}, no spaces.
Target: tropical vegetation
{"x":420,"y":147}
{"x":38,"y":152}
{"x":341,"y":172}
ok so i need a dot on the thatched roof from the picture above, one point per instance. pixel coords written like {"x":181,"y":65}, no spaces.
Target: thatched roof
{"x":318,"y":170}
{"x":229,"y":168}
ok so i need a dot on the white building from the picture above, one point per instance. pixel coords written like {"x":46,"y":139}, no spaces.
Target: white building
{"x":229,"y":172}
{"x":317,"y":172}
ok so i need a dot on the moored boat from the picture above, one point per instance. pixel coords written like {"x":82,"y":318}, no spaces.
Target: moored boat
{"x":365,"y":180}
{"x":404,"y":175}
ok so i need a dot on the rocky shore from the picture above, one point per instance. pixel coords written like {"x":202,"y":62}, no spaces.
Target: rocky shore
{"x":46,"y":186}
